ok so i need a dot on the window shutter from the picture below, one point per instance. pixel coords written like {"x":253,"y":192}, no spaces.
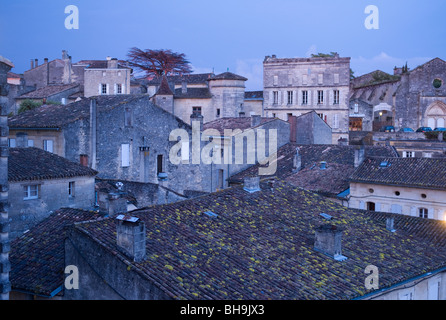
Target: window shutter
{"x":108,"y":88}
{"x":115,"y":89}
{"x":413,"y":211}
{"x":336,"y":121}
{"x":361,"y":205}
{"x":404,"y":154}
{"x":123,"y":89}
{"x":125,"y":155}
{"x":378,"y":206}
{"x":100,"y":89}
{"x":430,"y":213}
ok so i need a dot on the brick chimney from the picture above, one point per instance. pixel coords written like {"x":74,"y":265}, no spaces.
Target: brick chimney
{"x":184,"y":87}
{"x":36,"y":63}
{"x":112,"y":63}
{"x":83,"y":159}
{"x":328,"y":240}
{"x":131,"y":237}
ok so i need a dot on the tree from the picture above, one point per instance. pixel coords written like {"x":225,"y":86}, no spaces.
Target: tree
{"x":159,"y":62}
{"x":324,"y":55}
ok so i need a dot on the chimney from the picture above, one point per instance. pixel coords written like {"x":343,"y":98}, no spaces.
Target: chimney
{"x":111,"y":203}
{"x":251,"y":184}
{"x":328,"y":240}
{"x":22,"y":140}
{"x":83,"y":160}
{"x":131,"y":237}
{"x":359,"y":156}
{"x":36,"y":63}
{"x":255,"y":120}
{"x":293,"y":128}
{"x":32,"y":63}
{"x":390,"y":224}
{"x":197,"y":117}
{"x":297,"y":161}
{"x":45,"y":60}
{"x":184,"y":87}
{"x":112,"y":63}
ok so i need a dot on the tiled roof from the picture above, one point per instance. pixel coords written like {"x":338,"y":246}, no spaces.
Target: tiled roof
{"x":101,"y":64}
{"x":427,"y":173}
{"x":330,"y":181}
{"x":261,"y":247}
{"x":56,"y":116}
{"x":164,"y":88}
{"x":194,"y":78}
{"x":241,"y":123}
{"x":193,"y":93}
{"x":36,"y":164}
{"x":38,"y":257}
{"x":253,"y":95}
{"x":228,"y":76}
{"x":48,"y":91}
{"x":312,"y":155}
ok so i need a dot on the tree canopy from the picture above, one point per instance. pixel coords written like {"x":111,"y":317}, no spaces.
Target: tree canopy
{"x":159,"y":62}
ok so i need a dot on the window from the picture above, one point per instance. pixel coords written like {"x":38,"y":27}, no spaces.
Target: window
{"x":128,"y":118}
{"x":290,"y":97}
{"x":30,"y":143}
{"x":119,"y":88}
{"x":276,"y":97}
{"x":48,"y":145}
{"x":103,"y":88}
{"x":335,"y":96}
{"x":71,"y":189}
{"x":12,"y":143}
{"x":423,"y":213}
{"x":336,"y":78}
{"x":159,"y":164}
{"x":408,"y":154}
{"x":218,"y":113}
{"x":397,"y":193}
{"x":370,"y":206}
{"x":437,"y":83}
{"x":125,"y":155}
{"x":196,"y":110}
{"x":356,"y":108}
{"x":276,"y":80}
{"x":304,"y":97}
{"x":336,"y":121}
{"x":31,"y":192}
{"x":320,"y":97}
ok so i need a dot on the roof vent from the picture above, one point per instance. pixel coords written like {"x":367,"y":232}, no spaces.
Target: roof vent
{"x":384,"y":164}
{"x":211,"y":214}
{"x":326,"y":216}
{"x":323,"y":165}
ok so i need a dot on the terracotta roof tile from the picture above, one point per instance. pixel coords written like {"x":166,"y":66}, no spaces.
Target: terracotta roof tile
{"x":261,"y":247}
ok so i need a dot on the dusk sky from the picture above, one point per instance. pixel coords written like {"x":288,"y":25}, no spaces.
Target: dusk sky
{"x":220,"y":35}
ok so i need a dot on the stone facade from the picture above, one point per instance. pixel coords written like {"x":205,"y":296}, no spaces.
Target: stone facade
{"x":414,"y":98}
{"x":106,"y":78}
{"x":311,"y":129}
{"x":293,"y":86}
{"x":5,"y":285}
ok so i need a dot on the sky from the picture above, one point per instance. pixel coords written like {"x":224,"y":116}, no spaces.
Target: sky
{"x":234,"y":35}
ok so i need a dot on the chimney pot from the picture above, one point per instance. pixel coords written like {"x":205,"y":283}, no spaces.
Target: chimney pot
{"x":45,"y":60}
{"x":36,"y":62}
{"x":32,"y":63}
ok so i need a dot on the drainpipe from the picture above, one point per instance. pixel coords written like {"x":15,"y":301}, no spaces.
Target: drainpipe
{"x":93,"y":132}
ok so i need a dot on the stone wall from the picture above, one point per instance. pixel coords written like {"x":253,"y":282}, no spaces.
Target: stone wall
{"x":53,"y":195}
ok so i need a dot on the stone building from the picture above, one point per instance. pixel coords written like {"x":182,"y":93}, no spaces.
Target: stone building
{"x":41,"y":182}
{"x":258,"y":241}
{"x":408,"y":98}
{"x":213,"y":96}
{"x":5,"y":286}
{"x":408,"y":186}
{"x":123,"y":137}
{"x":293,"y":86}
